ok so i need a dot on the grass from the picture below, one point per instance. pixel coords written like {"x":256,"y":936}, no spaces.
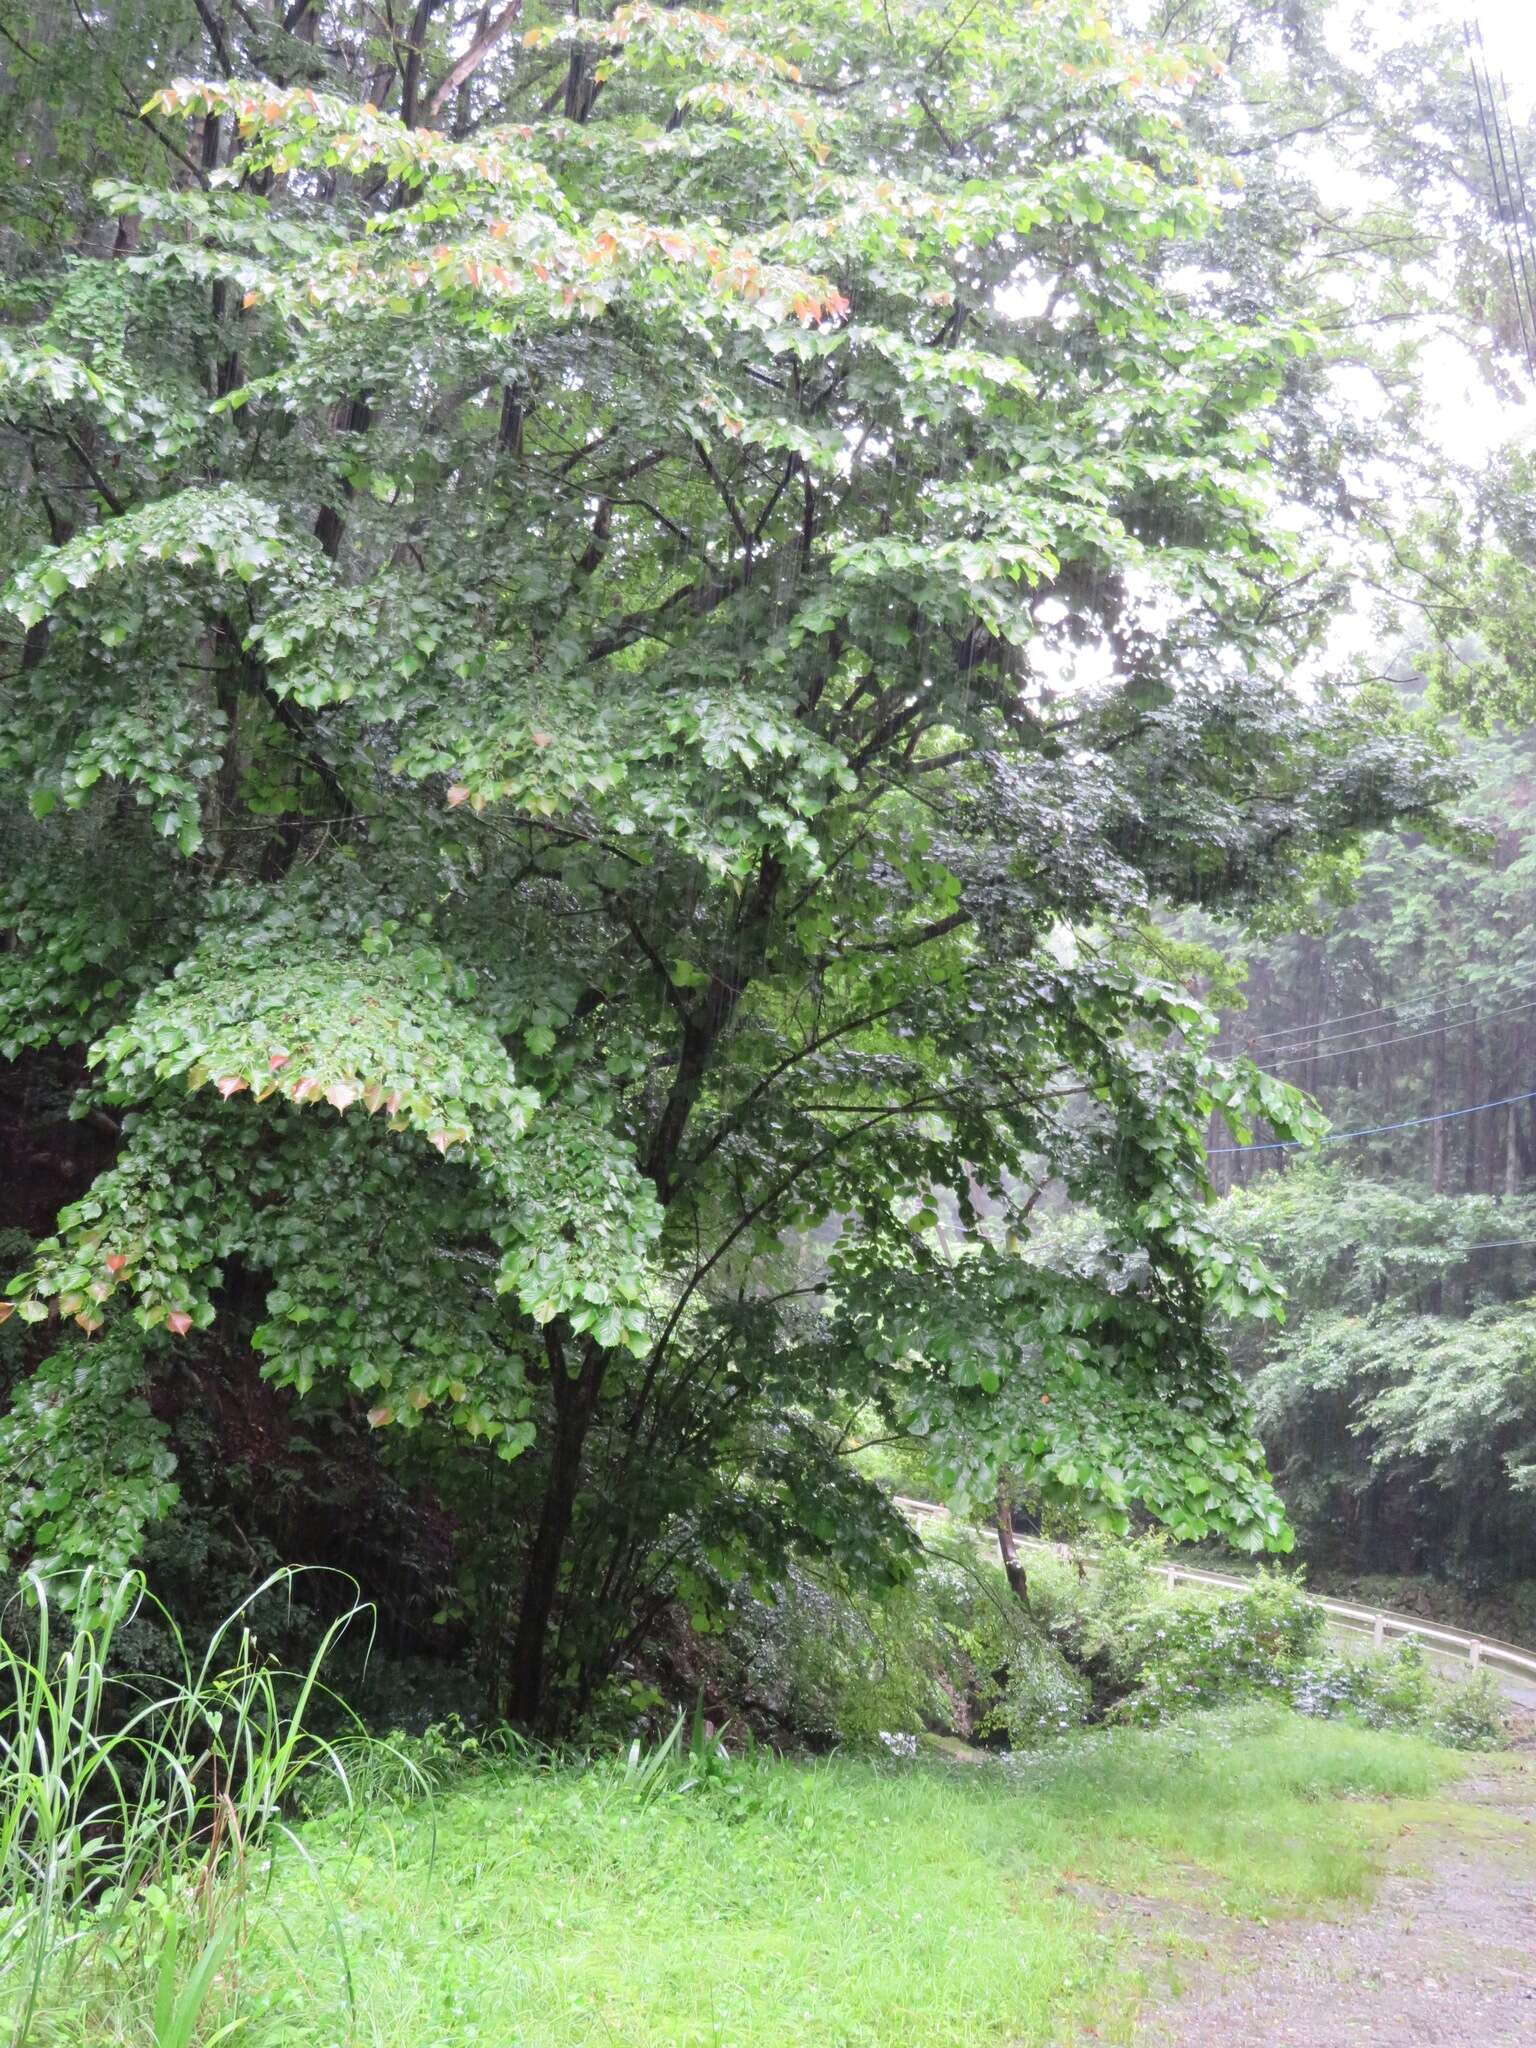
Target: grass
{"x":840,"y":1904}
{"x":156,"y":1891}
{"x":135,"y":1813}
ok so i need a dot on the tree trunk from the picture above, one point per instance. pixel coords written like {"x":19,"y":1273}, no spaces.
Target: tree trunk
{"x":575,"y":1401}
{"x":1008,"y":1549}
{"x":1436,"y":1105}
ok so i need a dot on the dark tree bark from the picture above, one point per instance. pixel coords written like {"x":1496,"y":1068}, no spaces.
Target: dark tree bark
{"x":1008,"y":1549}
{"x":575,"y":1404}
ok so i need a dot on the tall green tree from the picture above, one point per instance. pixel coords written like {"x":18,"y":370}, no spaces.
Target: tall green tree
{"x":615,"y":621}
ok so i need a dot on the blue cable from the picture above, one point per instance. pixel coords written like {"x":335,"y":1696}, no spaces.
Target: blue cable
{"x":1372,"y":1130}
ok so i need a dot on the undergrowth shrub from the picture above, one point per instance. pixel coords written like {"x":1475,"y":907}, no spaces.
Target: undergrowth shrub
{"x":1106,"y":1614}
{"x":1471,"y":1714}
{"x":1210,"y":1654}
{"x":1397,"y":1689}
{"x":951,"y":1652}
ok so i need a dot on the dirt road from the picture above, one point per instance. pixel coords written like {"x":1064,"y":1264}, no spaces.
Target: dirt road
{"x":1444,"y":1958}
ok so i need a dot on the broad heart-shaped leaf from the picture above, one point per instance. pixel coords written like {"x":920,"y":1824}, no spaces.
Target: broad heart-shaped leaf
{"x":381,"y":1034}
{"x":374,"y":1041}
{"x":88,"y":1465}
{"x":1099,"y":1396}
{"x":119,"y":595}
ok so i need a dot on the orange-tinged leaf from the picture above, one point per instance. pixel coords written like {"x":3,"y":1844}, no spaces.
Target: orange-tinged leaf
{"x":88,"y":1322}
{"x":178,"y":1322}
{"x":7,"y":1310}
{"x":248,"y":301}
{"x":231,"y":1084}
{"x":419,"y":1398}
{"x":458,"y":794}
{"x":115,"y":1262}
{"x":341,"y":1094}
{"x":278,"y":1059}
{"x":379,"y":1417}
{"x":541,"y":739}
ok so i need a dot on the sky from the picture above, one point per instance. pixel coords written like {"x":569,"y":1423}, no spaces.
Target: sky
{"x":1509,"y":36}
{"x":1468,"y":417}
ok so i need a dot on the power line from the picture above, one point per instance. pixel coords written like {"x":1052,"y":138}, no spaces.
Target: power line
{"x":1495,"y":1244}
{"x":1406,"y":1038}
{"x":1411,"y":1123}
{"x":1508,"y":187}
{"x":1327,"y":1025}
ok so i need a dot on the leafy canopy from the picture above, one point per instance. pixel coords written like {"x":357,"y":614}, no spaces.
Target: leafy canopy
{"x":628,"y":671}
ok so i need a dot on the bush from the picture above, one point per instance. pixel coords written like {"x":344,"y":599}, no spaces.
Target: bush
{"x":1035,"y":1697}
{"x":1205,"y":1655}
{"x":1398,"y":1690}
{"x":1392,"y":1690}
{"x":952,"y":1651}
{"x":1107,"y":1616}
{"x":1471,"y":1714}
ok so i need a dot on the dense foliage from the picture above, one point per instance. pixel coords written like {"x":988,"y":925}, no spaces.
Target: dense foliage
{"x":1399,"y":1401}
{"x":615,"y":635}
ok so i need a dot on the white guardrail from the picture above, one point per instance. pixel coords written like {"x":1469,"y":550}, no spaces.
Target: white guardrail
{"x":1380,"y":1623}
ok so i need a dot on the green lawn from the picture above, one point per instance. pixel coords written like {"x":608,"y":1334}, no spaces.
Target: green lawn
{"x":927,"y":1905}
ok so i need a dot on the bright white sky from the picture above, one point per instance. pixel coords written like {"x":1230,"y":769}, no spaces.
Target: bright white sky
{"x":1509,"y":36}
{"x":1473,"y":420}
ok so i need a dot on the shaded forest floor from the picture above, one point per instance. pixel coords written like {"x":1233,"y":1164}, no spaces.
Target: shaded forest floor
{"x":1444,"y":1957}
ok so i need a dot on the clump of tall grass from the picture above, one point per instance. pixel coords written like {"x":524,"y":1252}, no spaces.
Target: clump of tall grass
{"x":135,"y":1810}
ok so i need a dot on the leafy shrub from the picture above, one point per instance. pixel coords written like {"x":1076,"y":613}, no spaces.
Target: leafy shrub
{"x":1034,"y":1697}
{"x":1107,"y":1614}
{"x":1204,"y":1655}
{"x":950,"y":1651}
{"x":1392,"y":1690}
{"x":1471,"y":1714}
{"x":1397,"y":1689}
{"x":832,"y":1666}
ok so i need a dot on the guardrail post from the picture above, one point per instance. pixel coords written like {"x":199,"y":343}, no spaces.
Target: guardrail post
{"x":1379,"y":1632}
{"x":1475,"y":1655}
{"x":1172,"y":1577}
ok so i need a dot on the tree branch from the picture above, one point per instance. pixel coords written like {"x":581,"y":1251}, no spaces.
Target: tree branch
{"x":474,"y":57}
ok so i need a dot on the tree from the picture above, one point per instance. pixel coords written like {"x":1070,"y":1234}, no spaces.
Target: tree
{"x":599,"y":691}
{"x":1399,"y":1404}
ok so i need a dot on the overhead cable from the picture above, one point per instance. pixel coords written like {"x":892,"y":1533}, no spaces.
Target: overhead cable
{"x":1411,"y":1123}
{"x":1381,"y":1013}
{"x":1305,"y":1058}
